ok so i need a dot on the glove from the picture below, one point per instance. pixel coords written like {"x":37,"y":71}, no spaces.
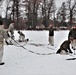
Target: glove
{"x":7,"y":43}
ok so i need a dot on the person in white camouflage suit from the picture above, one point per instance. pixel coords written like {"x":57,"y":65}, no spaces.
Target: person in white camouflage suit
{"x":2,"y":37}
{"x":51,"y":35}
{"x":21,"y":36}
{"x":11,"y":29}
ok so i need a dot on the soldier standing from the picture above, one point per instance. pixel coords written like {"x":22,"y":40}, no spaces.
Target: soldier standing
{"x":51,"y":35}
{"x":2,"y":37}
{"x":72,"y":35}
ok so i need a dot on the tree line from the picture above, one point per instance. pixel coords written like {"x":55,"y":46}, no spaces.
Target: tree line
{"x":32,"y":13}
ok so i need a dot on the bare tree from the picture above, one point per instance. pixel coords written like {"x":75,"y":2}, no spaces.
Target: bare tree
{"x":31,"y":10}
{"x":1,"y":9}
{"x":71,"y":7}
{"x":48,"y":7}
{"x":61,"y":14}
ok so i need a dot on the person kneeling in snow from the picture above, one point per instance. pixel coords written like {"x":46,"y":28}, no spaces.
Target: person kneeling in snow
{"x":21,"y":36}
{"x":65,"y":47}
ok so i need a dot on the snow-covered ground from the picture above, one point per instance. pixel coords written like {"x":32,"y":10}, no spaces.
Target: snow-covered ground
{"x":20,"y":61}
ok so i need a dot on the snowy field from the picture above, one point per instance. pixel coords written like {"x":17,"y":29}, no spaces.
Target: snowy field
{"x":34,"y":60}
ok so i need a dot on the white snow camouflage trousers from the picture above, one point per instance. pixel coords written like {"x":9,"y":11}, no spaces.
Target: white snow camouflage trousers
{"x":51,"y":40}
{"x":1,"y":52}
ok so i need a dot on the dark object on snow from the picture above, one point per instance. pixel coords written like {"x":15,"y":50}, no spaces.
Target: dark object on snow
{"x":2,"y":63}
{"x":27,"y":40}
{"x":7,"y":43}
{"x":65,"y":46}
{"x":71,"y":59}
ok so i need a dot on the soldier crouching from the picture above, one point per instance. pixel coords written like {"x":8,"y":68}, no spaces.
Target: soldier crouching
{"x":65,"y":47}
{"x":21,"y":36}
